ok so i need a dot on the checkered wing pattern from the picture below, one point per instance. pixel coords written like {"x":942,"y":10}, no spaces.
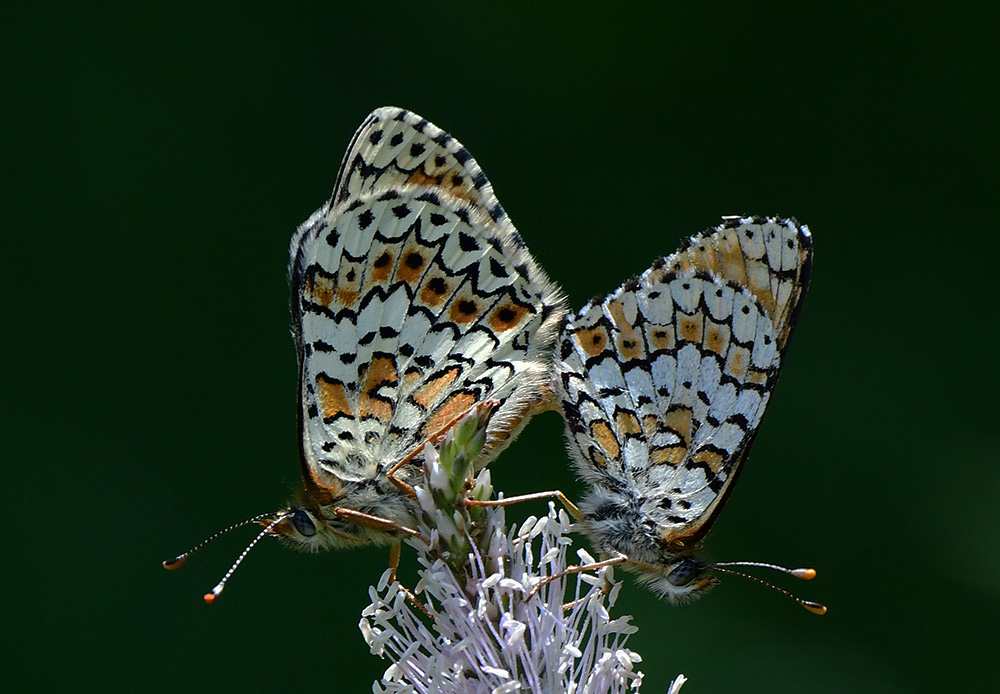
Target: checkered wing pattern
{"x":413,"y":299}
{"x":663,"y":383}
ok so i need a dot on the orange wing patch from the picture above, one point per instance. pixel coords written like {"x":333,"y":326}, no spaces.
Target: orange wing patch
{"x":429,"y":393}
{"x":709,"y":457}
{"x":679,"y":420}
{"x":380,"y":373}
{"x":717,"y":337}
{"x":464,"y":310}
{"x":508,"y":316}
{"x":690,"y":328}
{"x":659,"y":337}
{"x":738,"y":362}
{"x":627,"y":423}
{"x":435,"y":291}
{"x":332,"y":397}
{"x":455,"y":405}
{"x":605,"y":438}
{"x":412,"y":263}
{"x":598,"y":458}
{"x":319,"y":289}
{"x":382,"y":267}
{"x":592,"y":341}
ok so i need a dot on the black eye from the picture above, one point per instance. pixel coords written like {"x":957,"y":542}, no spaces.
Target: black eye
{"x":685,"y":571}
{"x":303,"y":523}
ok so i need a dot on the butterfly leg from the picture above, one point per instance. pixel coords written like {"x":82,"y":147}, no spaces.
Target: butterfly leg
{"x":555,"y":494}
{"x":433,"y":439}
{"x":620,"y":559}
{"x":395,"y":551}
{"x":377,"y":523}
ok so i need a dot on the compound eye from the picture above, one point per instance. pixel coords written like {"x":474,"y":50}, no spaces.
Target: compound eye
{"x":303,"y":523}
{"x":685,"y":571}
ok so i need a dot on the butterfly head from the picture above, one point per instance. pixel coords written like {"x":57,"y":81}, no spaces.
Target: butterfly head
{"x":679,"y":579}
{"x":310,"y":527}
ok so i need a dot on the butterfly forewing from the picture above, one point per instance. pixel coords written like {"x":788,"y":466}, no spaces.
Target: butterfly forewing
{"x":772,"y":258}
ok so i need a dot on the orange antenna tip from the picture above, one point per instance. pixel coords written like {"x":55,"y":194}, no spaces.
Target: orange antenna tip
{"x":813,"y":607}
{"x":175,"y":563}
{"x":209,"y":598}
{"x":804,"y":574}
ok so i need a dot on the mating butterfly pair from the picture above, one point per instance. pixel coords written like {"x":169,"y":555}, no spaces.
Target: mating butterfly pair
{"x":415,"y":299}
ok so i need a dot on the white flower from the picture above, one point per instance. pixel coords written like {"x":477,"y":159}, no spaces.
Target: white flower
{"x":496,"y":626}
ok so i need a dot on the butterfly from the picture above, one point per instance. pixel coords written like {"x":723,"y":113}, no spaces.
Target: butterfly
{"x":414,"y":299}
{"x":663,"y":384}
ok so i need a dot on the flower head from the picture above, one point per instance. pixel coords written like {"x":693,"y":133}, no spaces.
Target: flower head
{"x":497,"y":624}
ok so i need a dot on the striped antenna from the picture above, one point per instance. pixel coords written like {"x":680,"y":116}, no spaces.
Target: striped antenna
{"x":179,"y":560}
{"x":210,"y":597}
{"x":804,"y":574}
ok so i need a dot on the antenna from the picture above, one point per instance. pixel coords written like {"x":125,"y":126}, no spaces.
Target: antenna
{"x":178,"y":561}
{"x":804,"y":574}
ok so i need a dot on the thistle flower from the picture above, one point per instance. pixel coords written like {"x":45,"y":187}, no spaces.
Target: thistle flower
{"x":496,"y":625}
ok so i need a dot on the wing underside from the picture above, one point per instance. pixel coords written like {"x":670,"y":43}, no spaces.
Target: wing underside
{"x":664,"y":382}
{"x":414,"y":298}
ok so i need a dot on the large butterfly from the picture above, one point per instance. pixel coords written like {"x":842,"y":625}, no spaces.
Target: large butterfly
{"x":414,"y":300}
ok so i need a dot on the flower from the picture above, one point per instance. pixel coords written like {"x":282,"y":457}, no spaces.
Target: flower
{"x":504,"y":614}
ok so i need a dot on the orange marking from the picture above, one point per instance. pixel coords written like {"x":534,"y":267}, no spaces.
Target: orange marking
{"x":422,"y":178}
{"x":428,"y":393}
{"x":758,"y":281}
{"x":455,"y":405}
{"x":464,"y":310}
{"x":435,"y":291}
{"x":382,"y":267}
{"x":347,"y":297}
{"x":325,"y":491}
{"x":412,"y":375}
{"x":319,"y":290}
{"x":545,"y":400}
{"x":332,"y":398}
{"x":381,"y":372}
{"x":671,"y":455}
{"x":713,"y":459}
{"x":731,"y":264}
{"x":660,"y":337}
{"x":690,"y":328}
{"x":592,"y":340}
{"x":617,"y":313}
{"x":630,"y":345}
{"x":717,"y":338}
{"x":680,"y":421}
{"x":650,"y":424}
{"x":755,"y":376}
{"x":597,"y":457}
{"x":605,"y":438}
{"x":627,"y":423}
{"x":629,"y":342}
{"x":507,"y":317}
{"x":739,"y":360}
{"x":411,"y":265}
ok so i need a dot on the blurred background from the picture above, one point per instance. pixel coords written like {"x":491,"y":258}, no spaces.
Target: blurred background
{"x":158,"y":159}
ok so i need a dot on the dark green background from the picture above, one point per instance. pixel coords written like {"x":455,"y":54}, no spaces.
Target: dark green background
{"x":157,"y":162}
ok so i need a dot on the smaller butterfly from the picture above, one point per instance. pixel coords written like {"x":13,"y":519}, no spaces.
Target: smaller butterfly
{"x":414,"y":300}
{"x":663,"y":384}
